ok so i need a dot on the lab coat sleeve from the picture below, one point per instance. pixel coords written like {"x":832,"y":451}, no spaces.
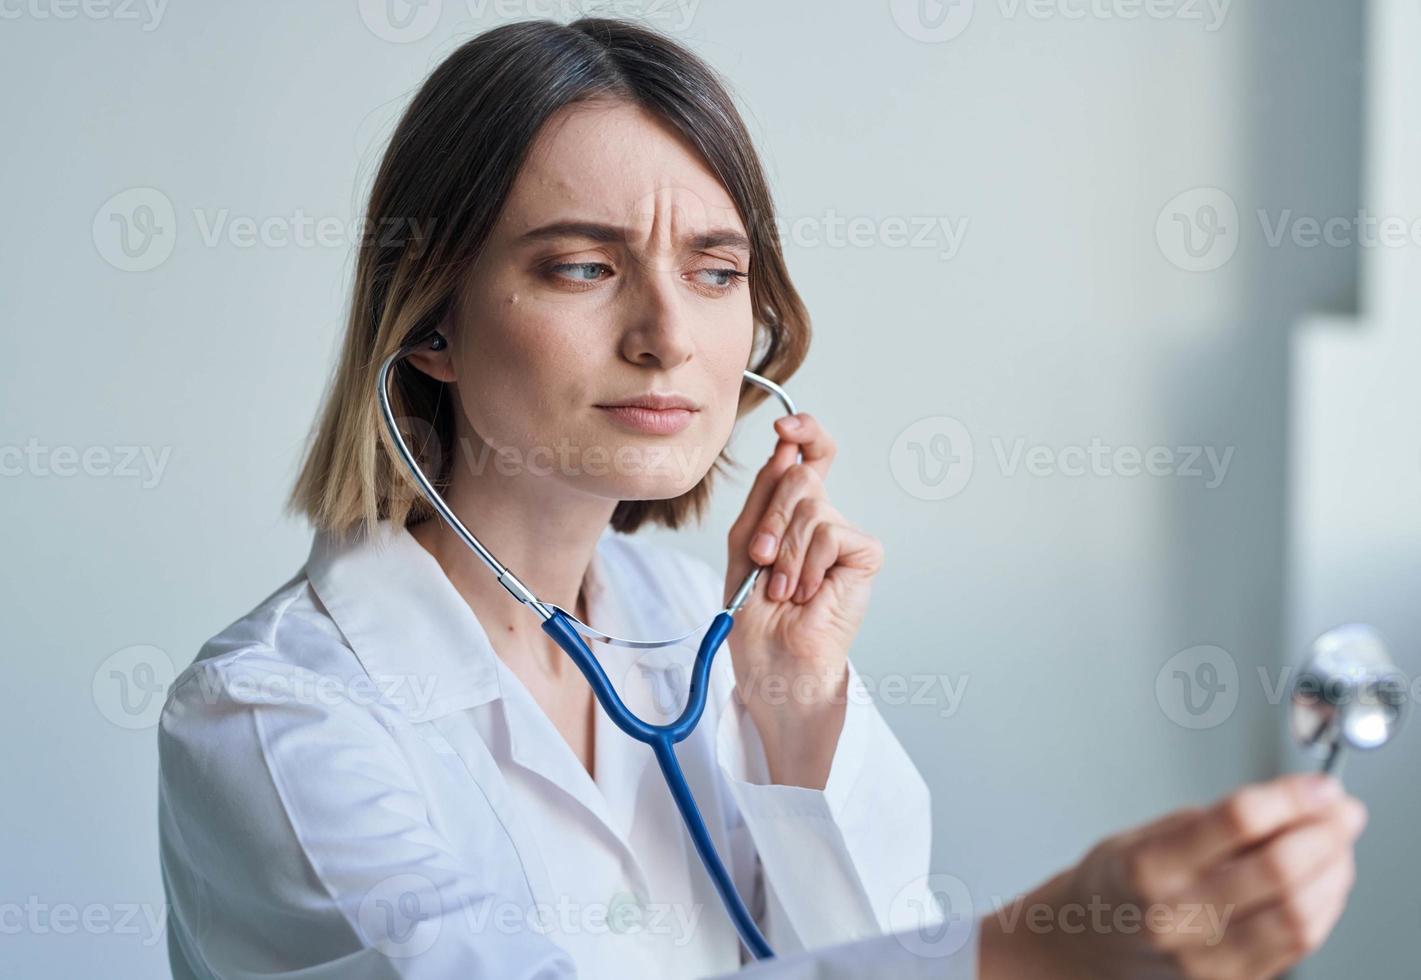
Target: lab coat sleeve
{"x":850,"y":861}
{"x":295,"y":843}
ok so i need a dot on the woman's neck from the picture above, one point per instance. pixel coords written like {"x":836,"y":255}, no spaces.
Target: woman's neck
{"x":542,"y":530}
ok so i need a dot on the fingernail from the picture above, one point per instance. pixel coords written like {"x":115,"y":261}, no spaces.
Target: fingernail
{"x":778,"y":585}
{"x":790,"y":421}
{"x":764,"y":545}
{"x":1325,"y":789}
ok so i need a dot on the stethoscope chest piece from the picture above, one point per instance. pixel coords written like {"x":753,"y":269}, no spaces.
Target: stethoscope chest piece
{"x":1348,"y":694}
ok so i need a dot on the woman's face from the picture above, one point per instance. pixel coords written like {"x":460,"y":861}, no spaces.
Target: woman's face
{"x":617,"y":270}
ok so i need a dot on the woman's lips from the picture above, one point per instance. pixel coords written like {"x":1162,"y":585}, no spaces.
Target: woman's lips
{"x":650,"y":421}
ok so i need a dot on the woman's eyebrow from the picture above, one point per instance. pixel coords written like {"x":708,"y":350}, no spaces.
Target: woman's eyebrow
{"x":597,"y":232}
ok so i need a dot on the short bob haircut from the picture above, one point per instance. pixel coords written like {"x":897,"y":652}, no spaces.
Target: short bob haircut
{"x":441,"y":186}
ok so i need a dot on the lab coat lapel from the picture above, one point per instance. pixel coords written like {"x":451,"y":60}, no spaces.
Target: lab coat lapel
{"x":620,"y":767}
{"x":536,"y":745}
{"x":629,"y":599}
{"x":406,"y":621}
{"x":418,"y":640}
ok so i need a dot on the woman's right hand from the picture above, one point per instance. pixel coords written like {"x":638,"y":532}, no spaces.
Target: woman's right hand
{"x":1240,"y":890}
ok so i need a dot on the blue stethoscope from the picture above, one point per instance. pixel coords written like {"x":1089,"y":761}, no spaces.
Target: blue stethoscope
{"x":565,"y":628}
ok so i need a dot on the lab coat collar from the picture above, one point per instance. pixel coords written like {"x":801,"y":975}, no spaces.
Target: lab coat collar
{"x":416,"y":637}
{"x":422,"y":645}
{"x":427,"y":652}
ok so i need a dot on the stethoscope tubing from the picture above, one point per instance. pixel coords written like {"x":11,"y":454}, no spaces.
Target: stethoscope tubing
{"x":568,"y":631}
{"x":663,"y":739}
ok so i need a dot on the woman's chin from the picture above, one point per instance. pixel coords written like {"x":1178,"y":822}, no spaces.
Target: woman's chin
{"x":648,"y":487}
{"x":647,"y":468}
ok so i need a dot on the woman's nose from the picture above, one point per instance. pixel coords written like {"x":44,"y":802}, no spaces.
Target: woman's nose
{"x":658,"y":331}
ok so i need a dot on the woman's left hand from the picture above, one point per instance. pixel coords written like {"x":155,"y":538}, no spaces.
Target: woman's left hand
{"x":791,"y":639}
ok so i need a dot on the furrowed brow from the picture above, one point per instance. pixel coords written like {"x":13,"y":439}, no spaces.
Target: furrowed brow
{"x":611,"y":234}
{"x":718,"y":238}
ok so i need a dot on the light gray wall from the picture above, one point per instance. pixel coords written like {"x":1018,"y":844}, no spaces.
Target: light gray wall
{"x":1052,"y":604}
{"x":1354,"y":523}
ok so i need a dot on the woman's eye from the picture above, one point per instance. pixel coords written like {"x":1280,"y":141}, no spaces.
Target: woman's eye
{"x":581,"y":271}
{"x":724,"y":278}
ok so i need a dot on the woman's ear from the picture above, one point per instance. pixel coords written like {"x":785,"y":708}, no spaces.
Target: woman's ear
{"x":435,"y":359}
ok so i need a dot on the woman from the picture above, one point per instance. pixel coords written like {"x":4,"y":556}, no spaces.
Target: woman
{"x":387,"y":769}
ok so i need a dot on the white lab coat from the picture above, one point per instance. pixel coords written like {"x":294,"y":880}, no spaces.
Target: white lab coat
{"x":354,"y":785}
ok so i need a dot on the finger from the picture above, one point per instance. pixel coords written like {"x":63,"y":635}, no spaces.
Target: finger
{"x":837,"y":546}
{"x":1278,"y":936}
{"x":739,"y":538}
{"x":796,"y":483}
{"x":810,"y":512}
{"x":1259,"y":876}
{"x":817,"y":445}
{"x":1164,"y":865}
